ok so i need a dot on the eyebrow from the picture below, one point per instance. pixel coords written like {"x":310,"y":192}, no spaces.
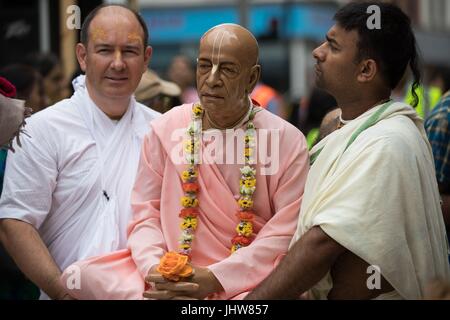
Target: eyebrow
{"x":105,"y":45}
{"x":129,"y":46}
{"x":333,"y":41}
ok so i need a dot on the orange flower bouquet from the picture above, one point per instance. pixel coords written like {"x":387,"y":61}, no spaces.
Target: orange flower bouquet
{"x":174,"y":266}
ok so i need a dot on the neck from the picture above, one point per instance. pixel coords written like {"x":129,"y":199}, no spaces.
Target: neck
{"x":352,"y":109}
{"x":220,"y":120}
{"x":113,"y":108}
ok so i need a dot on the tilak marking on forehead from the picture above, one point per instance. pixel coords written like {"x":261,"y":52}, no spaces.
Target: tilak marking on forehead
{"x":134,"y":37}
{"x":217,"y":47}
{"x":216,"y":51}
{"x":98,"y":33}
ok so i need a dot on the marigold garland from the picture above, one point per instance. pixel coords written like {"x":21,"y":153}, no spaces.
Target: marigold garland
{"x":189,"y":202}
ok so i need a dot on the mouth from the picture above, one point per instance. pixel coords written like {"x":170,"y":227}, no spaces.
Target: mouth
{"x":116,"y":79}
{"x":209,"y":96}
{"x":317,"y":69}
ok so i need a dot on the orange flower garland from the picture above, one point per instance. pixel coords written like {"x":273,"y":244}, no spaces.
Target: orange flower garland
{"x":247,"y":186}
{"x":172,"y":265}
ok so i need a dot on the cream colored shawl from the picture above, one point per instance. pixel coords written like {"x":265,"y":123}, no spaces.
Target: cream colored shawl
{"x":372,"y":188}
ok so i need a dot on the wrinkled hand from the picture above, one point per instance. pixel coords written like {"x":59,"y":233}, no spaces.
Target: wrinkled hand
{"x":198,"y":286}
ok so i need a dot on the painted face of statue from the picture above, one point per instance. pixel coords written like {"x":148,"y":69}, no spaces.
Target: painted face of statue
{"x":227,"y":69}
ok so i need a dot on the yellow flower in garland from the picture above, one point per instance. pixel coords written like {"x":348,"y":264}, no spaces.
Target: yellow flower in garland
{"x":197,"y":110}
{"x":245,"y":228}
{"x":245,"y":203}
{"x":190,"y":147}
{"x":250,"y":141}
{"x":248,"y":186}
{"x":189,"y":202}
{"x":185,"y":246}
{"x":249,"y":183}
{"x":189,"y":222}
{"x":188,"y":175}
{"x":248,"y":152}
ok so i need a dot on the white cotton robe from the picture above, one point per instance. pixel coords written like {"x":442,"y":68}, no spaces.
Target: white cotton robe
{"x":72,"y":178}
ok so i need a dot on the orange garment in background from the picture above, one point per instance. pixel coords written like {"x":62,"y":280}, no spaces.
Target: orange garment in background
{"x":269,"y":99}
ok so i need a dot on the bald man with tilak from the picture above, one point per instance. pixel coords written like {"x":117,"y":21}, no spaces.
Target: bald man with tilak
{"x":227,"y":72}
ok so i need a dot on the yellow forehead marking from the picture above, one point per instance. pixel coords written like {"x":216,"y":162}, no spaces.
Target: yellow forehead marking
{"x":98,"y":34}
{"x":135,"y":37}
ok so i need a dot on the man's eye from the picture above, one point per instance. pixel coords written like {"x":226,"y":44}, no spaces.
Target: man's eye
{"x":229,"y":71}
{"x":333,"y":48}
{"x":204,"y":67}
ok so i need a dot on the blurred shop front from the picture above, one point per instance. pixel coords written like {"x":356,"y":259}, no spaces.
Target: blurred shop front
{"x":286,"y":32}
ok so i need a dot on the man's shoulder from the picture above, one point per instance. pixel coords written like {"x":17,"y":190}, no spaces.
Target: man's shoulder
{"x":396,"y":136}
{"x":267,"y":120}
{"x":54,"y":117}
{"x":175,"y":117}
{"x":148,"y":112}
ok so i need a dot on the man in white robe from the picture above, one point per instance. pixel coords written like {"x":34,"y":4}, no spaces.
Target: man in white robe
{"x":370,"y":224}
{"x":67,"y":192}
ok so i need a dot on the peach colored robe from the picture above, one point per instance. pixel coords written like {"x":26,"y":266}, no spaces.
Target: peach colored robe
{"x":156,"y":225}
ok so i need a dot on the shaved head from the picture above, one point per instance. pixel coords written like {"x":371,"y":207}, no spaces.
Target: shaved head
{"x":227,"y":72}
{"x":236,"y":36}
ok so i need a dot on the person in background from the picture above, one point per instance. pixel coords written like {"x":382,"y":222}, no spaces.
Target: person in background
{"x":156,"y":93}
{"x":49,"y":66}
{"x":29,"y":85}
{"x":182,"y":73}
{"x":430,"y":94}
{"x":269,"y":99}
{"x":13,"y":284}
{"x":319,"y":103}
{"x":437,"y":126}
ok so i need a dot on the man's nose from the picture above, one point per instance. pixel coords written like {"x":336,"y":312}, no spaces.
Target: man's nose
{"x":118,"y":63}
{"x":213,"y":78}
{"x":319,"y":53}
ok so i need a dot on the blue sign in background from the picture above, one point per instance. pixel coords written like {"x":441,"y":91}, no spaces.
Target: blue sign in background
{"x":307,"y":21}
{"x":169,"y":25}
{"x":281,"y":21}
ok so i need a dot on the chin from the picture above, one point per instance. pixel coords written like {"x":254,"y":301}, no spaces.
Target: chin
{"x":118,"y":94}
{"x":211,"y":105}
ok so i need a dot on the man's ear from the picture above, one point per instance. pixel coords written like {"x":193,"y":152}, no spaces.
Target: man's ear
{"x":147,"y":56}
{"x":368,"y":69}
{"x":81,"y":52}
{"x":255,"y":74}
